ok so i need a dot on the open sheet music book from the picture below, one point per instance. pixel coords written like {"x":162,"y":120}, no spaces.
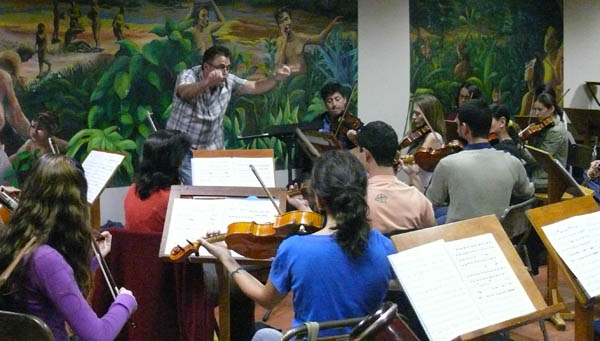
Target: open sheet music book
{"x":194,"y":218}
{"x":460,"y":286}
{"x":99,"y":167}
{"x":577,"y":242}
{"x":232,"y":171}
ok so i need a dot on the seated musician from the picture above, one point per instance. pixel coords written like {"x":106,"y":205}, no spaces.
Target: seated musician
{"x":393,"y":205}
{"x":425,"y":107}
{"x":552,"y":139}
{"x":322,"y":268}
{"x":479,"y":180}
{"x":52,"y":281}
{"x":335,"y":99}
{"x":466,"y":92}
{"x":502,"y":133}
{"x":148,"y":197}
{"x":146,"y":208}
{"x":43,"y":127}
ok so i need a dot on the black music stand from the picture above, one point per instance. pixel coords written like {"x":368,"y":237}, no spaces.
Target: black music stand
{"x":286,"y":133}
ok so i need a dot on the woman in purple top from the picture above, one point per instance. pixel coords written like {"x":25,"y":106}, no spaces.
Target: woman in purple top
{"x":51,"y":282}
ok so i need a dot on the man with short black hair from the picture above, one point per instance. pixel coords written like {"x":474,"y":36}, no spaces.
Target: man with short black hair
{"x":201,"y":96}
{"x":479,"y":180}
{"x":393,"y":205}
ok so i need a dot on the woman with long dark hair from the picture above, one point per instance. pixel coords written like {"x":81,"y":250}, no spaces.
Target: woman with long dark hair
{"x":323,"y":269}
{"x":148,"y":197}
{"x":51,"y":281}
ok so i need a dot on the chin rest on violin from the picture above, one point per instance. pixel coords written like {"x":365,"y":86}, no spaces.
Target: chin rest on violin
{"x":258,"y":241}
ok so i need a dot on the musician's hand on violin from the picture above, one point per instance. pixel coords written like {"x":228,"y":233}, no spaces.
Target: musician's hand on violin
{"x":352,"y":136}
{"x":299,"y":203}
{"x":220,"y":252}
{"x":104,"y":243}
{"x":410,"y":170}
{"x":128,"y":292}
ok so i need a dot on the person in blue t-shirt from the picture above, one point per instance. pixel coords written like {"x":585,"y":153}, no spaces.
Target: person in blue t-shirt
{"x":339,"y":272}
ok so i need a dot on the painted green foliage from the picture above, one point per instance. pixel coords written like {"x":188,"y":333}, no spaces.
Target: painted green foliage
{"x":483,"y":42}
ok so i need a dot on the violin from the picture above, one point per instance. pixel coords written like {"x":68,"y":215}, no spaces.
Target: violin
{"x":405,"y":159}
{"x":303,"y":190}
{"x":535,"y":128}
{"x":428,"y":158}
{"x":258,"y":241}
{"x":7,"y":205}
{"x":492,"y":137}
{"x":344,"y":123}
{"x":414,"y":136}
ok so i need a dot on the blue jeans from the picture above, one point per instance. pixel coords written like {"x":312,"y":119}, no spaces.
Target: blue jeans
{"x":186,"y":168}
{"x":440,"y":214}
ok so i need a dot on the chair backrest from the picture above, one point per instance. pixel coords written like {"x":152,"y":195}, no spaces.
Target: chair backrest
{"x":579,"y":156}
{"x":513,"y":219}
{"x":303,"y":330}
{"x":16,"y":326}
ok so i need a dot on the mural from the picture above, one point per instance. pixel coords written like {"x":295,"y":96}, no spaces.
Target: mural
{"x":101,"y":65}
{"x":507,"y":48}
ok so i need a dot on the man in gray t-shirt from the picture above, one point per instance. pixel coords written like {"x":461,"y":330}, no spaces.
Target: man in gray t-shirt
{"x":479,"y":180}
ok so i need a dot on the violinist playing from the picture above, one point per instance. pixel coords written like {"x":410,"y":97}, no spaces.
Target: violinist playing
{"x":479,"y":180}
{"x":425,"y":108}
{"x":552,"y":137}
{"x":335,"y":98}
{"x":52,"y":281}
{"x":502,"y":133}
{"x":322,"y":268}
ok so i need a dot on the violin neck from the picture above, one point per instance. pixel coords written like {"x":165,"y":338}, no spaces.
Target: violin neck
{"x":216,"y":238}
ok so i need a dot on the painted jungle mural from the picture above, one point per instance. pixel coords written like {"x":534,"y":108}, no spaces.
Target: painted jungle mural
{"x":87,"y":72}
{"x":506,"y":48}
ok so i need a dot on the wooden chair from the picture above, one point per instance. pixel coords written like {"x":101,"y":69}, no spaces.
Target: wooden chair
{"x":17,"y":326}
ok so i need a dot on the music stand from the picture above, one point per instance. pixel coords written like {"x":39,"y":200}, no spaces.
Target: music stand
{"x":549,"y":214}
{"x":286,"y":133}
{"x":223,"y":277}
{"x":477,"y":226}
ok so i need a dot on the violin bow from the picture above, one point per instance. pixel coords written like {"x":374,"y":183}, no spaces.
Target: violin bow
{"x":433,"y":131}
{"x":11,"y":267}
{"x":149,"y":117}
{"x":262,"y":184}
{"x":52,"y":148}
{"x":343,"y":116}
{"x":408,"y":116}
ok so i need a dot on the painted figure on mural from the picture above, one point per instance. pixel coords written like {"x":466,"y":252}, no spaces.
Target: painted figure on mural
{"x":119,"y":24}
{"x":43,"y":128}
{"x":75,"y":26}
{"x":41,"y":44}
{"x":95,"y":21}
{"x":553,"y":61}
{"x":202,"y":27}
{"x":10,"y":109}
{"x":462,"y":70}
{"x":534,"y":78}
{"x":56,"y":16}
{"x":290,"y":44}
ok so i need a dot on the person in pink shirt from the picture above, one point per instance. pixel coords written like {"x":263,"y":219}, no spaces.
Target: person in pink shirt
{"x":52,"y":280}
{"x":148,"y":197}
{"x":393,"y":205}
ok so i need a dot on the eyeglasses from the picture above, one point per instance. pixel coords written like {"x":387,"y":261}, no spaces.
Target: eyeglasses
{"x":221,"y":67}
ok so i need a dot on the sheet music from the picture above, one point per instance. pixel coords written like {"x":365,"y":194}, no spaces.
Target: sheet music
{"x":436,"y":291}
{"x":490,"y":279}
{"x":194,"y":218}
{"x":577,"y":242}
{"x":232,"y":171}
{"x":99,"y":167}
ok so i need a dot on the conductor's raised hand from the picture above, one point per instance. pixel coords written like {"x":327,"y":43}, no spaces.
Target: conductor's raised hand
{"x":283,"y":72}
{"x":215,"y":78}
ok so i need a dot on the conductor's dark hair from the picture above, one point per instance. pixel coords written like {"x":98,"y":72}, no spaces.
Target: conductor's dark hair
{"x":339,"y":182}
{"x":162,"y":156}
{"x":217,"y":50}
{"x":331,"y":88}
{"x":380,"y":139}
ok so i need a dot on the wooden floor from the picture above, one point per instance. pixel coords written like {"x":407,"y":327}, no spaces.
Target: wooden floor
{"x":282,"y":315}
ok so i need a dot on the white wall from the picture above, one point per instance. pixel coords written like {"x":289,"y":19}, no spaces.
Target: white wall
{"x":383,"y":61}
{"x":581,"y":51}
